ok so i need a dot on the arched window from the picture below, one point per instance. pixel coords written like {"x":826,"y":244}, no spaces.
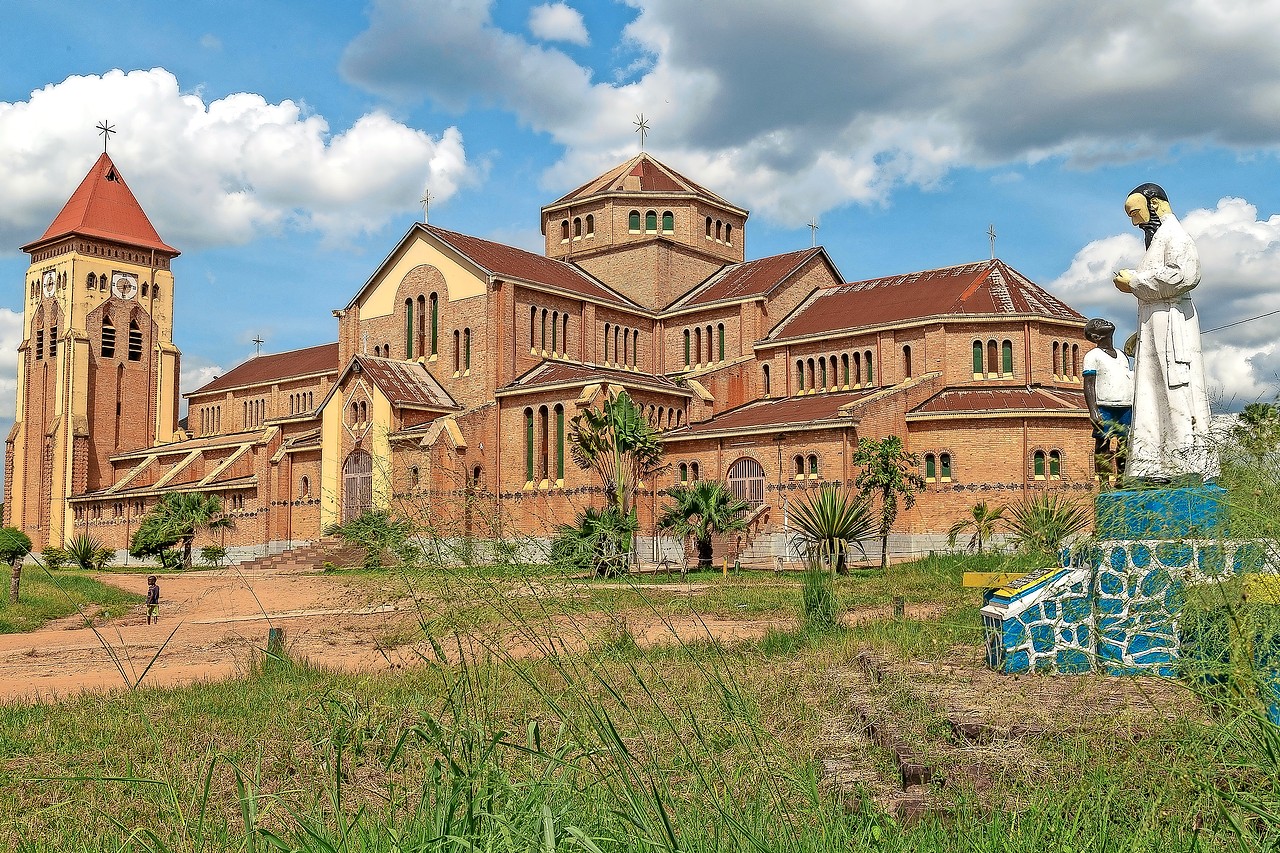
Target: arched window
{"x":684,"y":473}
{"x":457,"y":351}
{"x":606,"y":343}
{"x":555,"y":332}
{"x":542,"y":339}
{"x":108,"y":337}
{"x":708,"y":227}
{"x":798,"y":463}
{"x":564,"y":231}
{"x":906,"y":362}
{"x":651,"y":222}
{"x":835,"y":377}
{"x":1055,"y":465}
{"x":857,"y":368}
{"x":435,"y":324}
{"x":633,"y":222}
{"x":710,"y":344}
{"x":591,"y":225}
{"x":91,"y":282}
{"x":662,"y":411}
{"x":764,"y":377}
{"x":813,"y":464}
{"x":635,"y":347}
{"x":533,"y":328}
{"x":544,"y":443}
{"x":799,"y":375}
{"x":993,"y":358}
{"x":720,"y":339}
{"x":813,"y":376}
{"x":871,"y":378}
{"x":1055,"y":360}
{"x":1037,"y":464}
{"x":577,"y":227}
{"x":822,"y":373}
{"x":693,"y":471}
{"x":617,"y":344}
{"x":1006,"y":358}
{"x":564,"y":334}
{"x":944,"y":467}
{"x":728,"y":234}
{"x":357,"y":484}
{"x":408,"y":328}
{"x":697,"y":343}
{"x":687,"y":347}
{"x":626,"y":348}
{"x":719,"y":231}
{"x":977,"y":359}
{"x":930,"y":467}
{"x":1066,"y":361}
{"x":668,"y":222}
{"x":844,"y":366}
{"x":559,"y":442}
{"x":135,"y":341}
{"x":746,"y":481}
{"x":528,"y":445}
{"x":466,"y":349}
{"x":304,"y":487}
{"x":421,"y":342}
{"x":1075,"y":360}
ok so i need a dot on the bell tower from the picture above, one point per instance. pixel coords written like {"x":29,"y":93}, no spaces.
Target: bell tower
{"x":97,"y":367}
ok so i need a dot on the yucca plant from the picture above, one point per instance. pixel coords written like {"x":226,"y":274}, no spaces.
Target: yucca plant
{"x":829,"y":520}
{"x":1041,"y":524}
{"x":89,"y":553}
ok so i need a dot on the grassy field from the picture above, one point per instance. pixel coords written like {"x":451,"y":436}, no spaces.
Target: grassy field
{"x":47,"y":596}
{"x":697,"y":746}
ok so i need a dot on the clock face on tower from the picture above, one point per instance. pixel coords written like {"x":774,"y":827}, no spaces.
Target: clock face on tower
{"x":50,"y":282}
{"x":124,"y":285}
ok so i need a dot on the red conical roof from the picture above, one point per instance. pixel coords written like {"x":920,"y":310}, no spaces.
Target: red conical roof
{"x":103,"y":207}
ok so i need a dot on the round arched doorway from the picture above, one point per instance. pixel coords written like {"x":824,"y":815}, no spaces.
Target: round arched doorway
{"x":746,"y":481}
{"x":357,"y":484}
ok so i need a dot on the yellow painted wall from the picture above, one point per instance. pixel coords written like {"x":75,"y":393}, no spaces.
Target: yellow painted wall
{"x":461,"y":279}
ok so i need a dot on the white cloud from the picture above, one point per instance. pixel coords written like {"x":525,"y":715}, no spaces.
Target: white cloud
{"x":219,"y":172}
{"x":196,"y":373}
{"x":558,"y":22}
{"x":10,"y":338}
{"x":1239,"y":254}
{"x":804,"y":112}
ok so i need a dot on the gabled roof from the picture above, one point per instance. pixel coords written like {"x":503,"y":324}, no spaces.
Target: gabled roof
{"x":982,"y":288}
{"x":405,"y":383}
{"x":276,"y":367}
{"x":993,"y":401}
{"x":750,"y":278}
{"x":550,"y":373}
{"x":641,"y":174}
{"x":780,"y":414}
{"x":104,"y":207}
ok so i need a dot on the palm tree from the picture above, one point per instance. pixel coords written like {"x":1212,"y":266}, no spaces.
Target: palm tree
{"x":619,"y":445}
{"x":1041,"y":524}
{"x":702,"y":510}
{"x":598,"y":543}
{"x":176,"y":518}
{"x":889,"y":472}
{"x":829,"y":520}
{"x":982,"y":521}
{"x":14,"y":548}
{"x":376,"y":532}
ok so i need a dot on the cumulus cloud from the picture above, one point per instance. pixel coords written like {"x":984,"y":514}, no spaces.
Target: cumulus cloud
{"x":804,"y":112}
{"x":1239,"y":254}
{"x":558,"y":22}
{"x":217,"y":172}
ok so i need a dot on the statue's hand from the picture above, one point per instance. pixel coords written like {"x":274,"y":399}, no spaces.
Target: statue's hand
{"x":1122,"y":281}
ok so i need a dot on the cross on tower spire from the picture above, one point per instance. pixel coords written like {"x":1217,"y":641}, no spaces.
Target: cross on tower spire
{"x":105,"y":129}
{"x":642,"y":128}
{"x":991,"y":235}
{"x":425,"y":201}
{"x":813,"y":231}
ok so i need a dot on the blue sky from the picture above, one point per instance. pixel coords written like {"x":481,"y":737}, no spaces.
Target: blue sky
{"x":283,"y":147}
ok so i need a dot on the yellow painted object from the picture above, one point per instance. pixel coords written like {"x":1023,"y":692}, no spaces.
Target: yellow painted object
{"x":1264,"y":589}
{"x":990,"y":580}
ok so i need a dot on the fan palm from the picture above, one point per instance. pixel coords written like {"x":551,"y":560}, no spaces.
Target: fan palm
{"x":982,"y":521}
{"x":176,"y":519}
{"x":700,"y":511}
{"x":1041,"y":524}
{"x":829,"y":520}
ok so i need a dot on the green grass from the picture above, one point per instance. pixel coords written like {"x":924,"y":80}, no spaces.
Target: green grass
{"x":47,"y":596}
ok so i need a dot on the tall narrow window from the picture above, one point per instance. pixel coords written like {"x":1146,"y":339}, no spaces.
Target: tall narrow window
{"x":564,"y":231}
{"x":764,"y":371}
{"x":135,"y":342}
{"x":559,"y":442}
{"x":697,"y":343}
{"x":626,"y":348}
{"x":528,"y":445}
{"x":686,"y":347}
{"x":1037,"y":464}
{"x":930,"y":467}
{"x":422,"y":324}
{"x":108,"y":338}
{"x":944,"y":467}
{"x":542,"y":339}
{"x":977,"y":359}
{"x":544,"y":453}
{"x":606,"y":343}
{"x":1006,"y":358}
{"x":668,"y":222}
{"x":564,"y":334}
{"x":457,"y":351}
{"x":1055,"y":465}
{"x":799,"y":375}
{"x":591,"y":225}
{"x":533,"y":328}
{"x":871,"y":379}
{"x":813,"y":464}
{"x":635,"y":347}
{"x":577,"y":227}
{"x":1055,"y":361}
{"x":728,"y":234}
{"x":684,"y":473}
{"x":708,"y":227}
{"x":435,"y":324}
{"x":844,"y":366}
{"x":857,"y":368}
{"x":651,"y":222}
{"x":813,"y":376}
{"x":798,"y":464}
{"x":720,"y":339}
{"x":633,"y":222}
{"x":408,"y":328}
{"x":617,"y":346}
{"x":555,"y":331}
{"x":906,"y":362}
{"x":53,"y":341}
{"x":1075,"y":360}
{"x":710,"y":353}
{"x":822,"y":373}
{"x":466,"y":349}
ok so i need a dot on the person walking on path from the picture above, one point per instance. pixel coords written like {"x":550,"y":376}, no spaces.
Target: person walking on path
{"x":153,"y":600}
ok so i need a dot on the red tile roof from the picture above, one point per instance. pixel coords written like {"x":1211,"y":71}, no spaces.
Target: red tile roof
{"x":986,"y":287}
{"x":103,"y":207}
{"x":276,"y":367}
{"x":557,"y":372}
{"x":752,"y":278}
{"x":655,"y":177}
{"x":978,"y":401}
{"x":510,"y":262}
{"x":405,"y":383}
{"x":780,"y":413}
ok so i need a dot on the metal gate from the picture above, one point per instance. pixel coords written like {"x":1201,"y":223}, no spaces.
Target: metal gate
{"x":746,"y":481}
{"x":357,"y":484}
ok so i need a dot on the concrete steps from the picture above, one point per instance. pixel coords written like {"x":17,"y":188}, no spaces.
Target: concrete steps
{"x":306,"y":558}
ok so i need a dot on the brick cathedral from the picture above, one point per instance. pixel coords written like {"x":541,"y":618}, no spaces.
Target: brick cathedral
{"x":460,"y":362}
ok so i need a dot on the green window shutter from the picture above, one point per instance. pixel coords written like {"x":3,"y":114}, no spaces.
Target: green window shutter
{"x":1039,"y":464}
{"x":668,"y":222}
{"x":686,"y":348}
{"x":559,"y":442}
{"x":651,"y":221}
{"x":408,"y":328}
{"x":435,"y":324}
{"x":871,"y":377}
{"x":528,"y":445}
{"x":633,"y":221}
{"x":1006,"y":358}
{"x":977,"y":356}
{"x":945,"y":465}
{"x":1055,"y":465}
{"x":721,"y":333}
{"x":930,"y":467}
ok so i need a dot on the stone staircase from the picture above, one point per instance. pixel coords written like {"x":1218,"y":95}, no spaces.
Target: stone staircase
{"x":305,"y":558}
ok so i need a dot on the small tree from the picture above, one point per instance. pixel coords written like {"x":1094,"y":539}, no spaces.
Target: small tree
{"x":14,"y":548}
{"x":981,"y":521}
{"x":176,"y":519}
{"x":213,"y":556}
{"x":1042,"y":523}
{"x":829,"y":520}
{"x":619,"y":445}
{"x":377,"y":532}
{"x":888,"y":472}
{"x":703,"y":510}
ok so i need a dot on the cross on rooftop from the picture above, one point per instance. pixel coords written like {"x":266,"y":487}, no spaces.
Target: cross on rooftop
{"x":642,"y":128}
{"x":105,"y":129}
{"x":425,"y":201}
{"x":813,"y":232}
{"x":257,"y":344}
{"x":991,"y":234}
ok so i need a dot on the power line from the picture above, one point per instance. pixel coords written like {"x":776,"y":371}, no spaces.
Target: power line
{"x":1238,"y":322}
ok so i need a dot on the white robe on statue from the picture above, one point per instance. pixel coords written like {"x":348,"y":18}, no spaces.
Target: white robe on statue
{"x":1170,"y":432}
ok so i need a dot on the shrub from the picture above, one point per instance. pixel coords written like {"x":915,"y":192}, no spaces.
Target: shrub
{"x":88,"y":553}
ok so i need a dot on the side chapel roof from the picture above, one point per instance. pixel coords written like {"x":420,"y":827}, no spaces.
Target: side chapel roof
{"x":275,"y":367}
{"x":750,"y":278}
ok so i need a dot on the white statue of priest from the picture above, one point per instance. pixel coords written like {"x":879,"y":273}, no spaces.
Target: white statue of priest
{"x":1170,"y":434}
